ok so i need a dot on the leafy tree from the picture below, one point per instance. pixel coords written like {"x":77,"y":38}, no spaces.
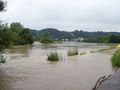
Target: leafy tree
{"x":4,"y":37}
{"x":20,"y":35}
{"x":114,"y":39}
{"x":2,"y":5}
{"x":26,"y":36}
{"x":16,"y":27}
{"x":45,"y":38}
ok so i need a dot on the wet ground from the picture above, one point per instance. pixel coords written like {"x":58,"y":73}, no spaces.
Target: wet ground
{"x":112,"y":83}
{"x":27,"y":67}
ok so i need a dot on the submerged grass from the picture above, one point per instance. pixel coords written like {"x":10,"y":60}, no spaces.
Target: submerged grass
{"x":82,"y":53}
{"x":53,"y":56}
{"x":116,"y":59}
{"x":72,"y":52}
{"x":93,"y":51}
{"x":105,"y":49}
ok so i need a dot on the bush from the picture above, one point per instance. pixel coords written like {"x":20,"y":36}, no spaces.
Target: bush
{"x":72,"y":52}
{"x":93,"y":51}
{"x":82,"y":53}
{"x":45,"y":38}
{"x":116,"y":59}
{"x":53,"y":56}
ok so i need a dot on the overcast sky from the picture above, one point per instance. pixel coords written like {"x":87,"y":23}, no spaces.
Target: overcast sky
{"x":69,"y":15}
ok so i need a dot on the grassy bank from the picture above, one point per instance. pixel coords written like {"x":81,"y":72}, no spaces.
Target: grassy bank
{"x":116,"y":59}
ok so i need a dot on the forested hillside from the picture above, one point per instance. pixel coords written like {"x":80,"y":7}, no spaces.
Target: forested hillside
{"x":89,"y":36}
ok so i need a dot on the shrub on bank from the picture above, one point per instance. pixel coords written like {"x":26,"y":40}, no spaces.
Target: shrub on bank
{"x":116,"y":59}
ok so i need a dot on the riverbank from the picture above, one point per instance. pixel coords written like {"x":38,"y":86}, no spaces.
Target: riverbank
{"x":112,"y":83}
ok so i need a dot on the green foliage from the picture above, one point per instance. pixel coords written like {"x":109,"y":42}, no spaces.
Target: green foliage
{"x":72,"y":52}
{"x":26,"y":37}
{"x":16,"y":34}
{"x":116,"y":59}
{"x":101,"y":39}
{"x":104,"y":39}
{"x":93,"y":51}
{"x":114,"y":39}
{"x":82,"y":53}
{"x":2,"y":5}
{"x":20,"y":35}
{"x":5,"y":39}
{"x":98,"y":36}
{"x":16,"y":27}
{"x":53,"y":56}
{"x":45,"y":38}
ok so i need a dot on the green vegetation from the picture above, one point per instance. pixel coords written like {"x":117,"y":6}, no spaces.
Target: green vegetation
{"x":93,"y":51}
{"x":99,"y":36}
{"x":73,"y":52}
{"x":19,"y":34}
{"x":2,"y":5}
{"x":15,"y":34}
{"x":116,"y":59}
{"x":4,"y":41}
{"x":53,"y":56}
{"x":45,"y":38}
{"x":82,"y":53}
{"x":104,"y":39}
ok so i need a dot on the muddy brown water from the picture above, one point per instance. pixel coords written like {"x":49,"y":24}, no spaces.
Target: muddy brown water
{"x":27,"y":67}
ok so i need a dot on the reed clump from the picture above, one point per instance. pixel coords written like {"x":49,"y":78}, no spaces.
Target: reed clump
{"x":53,"y":56}
{"x":73,"y":52}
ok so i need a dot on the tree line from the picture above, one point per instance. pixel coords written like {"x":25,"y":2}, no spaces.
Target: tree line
{"x":14,"y":34}
{"x":104,"y":39}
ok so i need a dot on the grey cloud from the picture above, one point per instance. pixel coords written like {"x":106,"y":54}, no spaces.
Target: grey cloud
{"x":65,"y":14}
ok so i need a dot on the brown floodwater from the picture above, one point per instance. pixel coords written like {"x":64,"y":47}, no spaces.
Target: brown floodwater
{"x":27,"y":67}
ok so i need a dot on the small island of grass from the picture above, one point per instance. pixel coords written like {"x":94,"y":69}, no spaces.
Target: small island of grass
{"x":45,"y":38}
{"x":53,"y":56}
{"x":73,"y":52}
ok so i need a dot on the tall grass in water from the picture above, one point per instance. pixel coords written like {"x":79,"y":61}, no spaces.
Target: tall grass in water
{"x":73,"y":52}
{"x":82,"y":53}
{"x":53,"y":56}
{"x":116,"y":59}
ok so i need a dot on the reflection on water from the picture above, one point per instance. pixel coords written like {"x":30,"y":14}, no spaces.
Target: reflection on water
{"x":28,"y":69}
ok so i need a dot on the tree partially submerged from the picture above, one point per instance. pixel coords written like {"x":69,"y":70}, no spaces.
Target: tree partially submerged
{"x":45,"y":38}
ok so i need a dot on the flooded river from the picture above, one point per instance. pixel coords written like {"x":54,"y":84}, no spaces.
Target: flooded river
{"x":27,"y":67}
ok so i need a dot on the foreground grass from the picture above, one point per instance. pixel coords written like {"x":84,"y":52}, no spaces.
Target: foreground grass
{"x":53,"y":56}
{"x":72,"y":52}
{"x":116,"y":59}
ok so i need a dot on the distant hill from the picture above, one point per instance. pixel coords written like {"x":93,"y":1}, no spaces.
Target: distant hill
{"x":57,"y":34}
